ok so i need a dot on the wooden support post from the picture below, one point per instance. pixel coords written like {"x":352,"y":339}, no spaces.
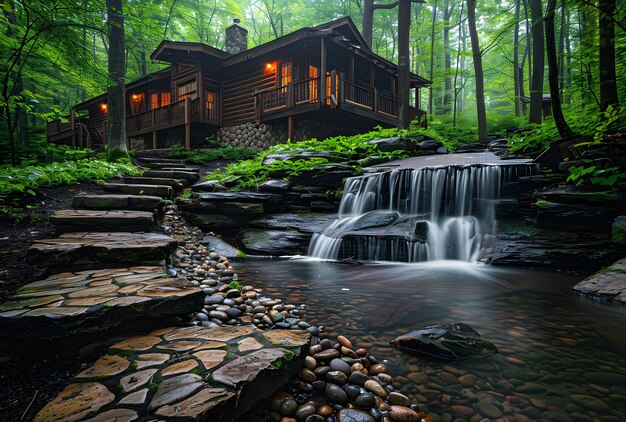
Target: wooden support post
{"x":290,"y":94}
{"x":375,"y":102}
{"x":154,"y":140}
{"x":323,"y":72}
{"x":72,"y":124}
{"x":342,"y":88}
{"x":80,"y":136}
{"x":372,"y":76}
{"x":351,"y":70}
{"x":333,"y":89}
{"x":290,"y":128}
{"x":187,"y":125}
{"x":257,"y":108}
{"x":201,"y":95}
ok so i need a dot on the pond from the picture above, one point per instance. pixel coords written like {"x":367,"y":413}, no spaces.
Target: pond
{"x":560,"y":357}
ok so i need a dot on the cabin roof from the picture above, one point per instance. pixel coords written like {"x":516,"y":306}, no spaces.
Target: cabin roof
{"x":168,"y":50}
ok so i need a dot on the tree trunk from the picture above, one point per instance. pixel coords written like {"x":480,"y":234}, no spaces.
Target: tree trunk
{"x":608,"y":79}
{"x":404,"y":65}
{"x":478,"y":70}
{"x":456,"y":70}
{"x":553,"y":73}
{"x":588,"y":46}
{"x":447,"y":57}
{"x":536,"y":83}
{"x":368,"y":21}
{"x":516,"y":60}
{"x":116,"y":110}
{"x":432,"y":58}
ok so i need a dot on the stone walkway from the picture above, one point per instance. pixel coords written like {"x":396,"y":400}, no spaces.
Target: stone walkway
{"x":469,"y":159}
{"x":107,"y":287}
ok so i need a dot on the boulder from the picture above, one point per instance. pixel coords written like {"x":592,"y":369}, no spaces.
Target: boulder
{"x":208,"y":186}
{"x":430,"y":144}
{"x":372,"y":160}
{"x":306,"y":223}
{"x":566,"y":217}
{"x":330,"y":176}
{"x":449,"y":342}
{"x":215,"y":244}
{"x":398,"y":143}
{"x":608,"y":284}
{"x":376,"y":219}
{"x":275,"y":186}
{"x":618,"y":231}
{"x":274,"y":242}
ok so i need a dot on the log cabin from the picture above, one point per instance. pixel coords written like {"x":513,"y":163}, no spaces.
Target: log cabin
{"x":312,"y":83}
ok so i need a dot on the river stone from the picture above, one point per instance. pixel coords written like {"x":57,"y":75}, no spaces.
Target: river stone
{"x":304,"y":411}
{"x":448,"y":342}
{"x":589,"y":402}
{"x":76,"y":402}
{"x":354,"y":415}
{"x":403,"y":414}
{"x":398,"y":399}
{"x":340,"y":365}
{"x":326,"y":355}
{"x":179,"y":367}
{"x":358,"y":378}
{"x":376,"y":388}
{"x":174,"y":389}
{"x":336,"y":377}
{"x":288,"y":407}
{"x":274,"y":186}
{"x":488,"y":410}
{"x":335,"y":394}
{"x":274,"y":242}
{"x":365,"y":400}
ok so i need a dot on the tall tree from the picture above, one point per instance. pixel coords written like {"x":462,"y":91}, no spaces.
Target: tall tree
{"x":516,"y":72}
{"x":608,"y":78}
{"x":116,"y":113}
{"x":553,"y":73}
{"x":536,"y":82}
{"x":404,"y":65}
{"x":432,"y":58}
{"x":478,"y":70}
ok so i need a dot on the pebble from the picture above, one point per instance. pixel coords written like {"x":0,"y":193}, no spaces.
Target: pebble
{"x":376,"y":388}
{"x":337,"y":377}
{"x":314,"y":418}
{"x":365,"y":400}
{"x":310,"y":363}
{"x":403,"y":414}
{"x":344,"y":342}
{"x":307,"y":375}
{"x":326,"y":355}
{"x":288,"y":407}
{"x":325,"y":410}
{"x":398,"y":399}
{"x":354,"y":415}
{"x":377,"y":369}
{"x":304,"y":411}
{"x":335,"y":394}
{"x":488,"y":410}
{"x":340,"y":365}
{"x":358,"y":378}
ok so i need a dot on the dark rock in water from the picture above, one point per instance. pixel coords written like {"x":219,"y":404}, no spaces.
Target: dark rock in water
{"x":376,"y":219}
{"x":421,"y":231}
{"x":442,"y":150}
{"x":215,"y":244}
{"x":453,"y":341}
{"x":306,"y":223}
{"x":275,"y":186}
{"x":398,"y":143}
{"x":618,"y":230}
{"x":350,"y":261}
{"x":274,"y":242}
{"x":372,"y":160}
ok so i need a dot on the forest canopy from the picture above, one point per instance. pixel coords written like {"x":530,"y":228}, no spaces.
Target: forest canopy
{"x":53,"y":53}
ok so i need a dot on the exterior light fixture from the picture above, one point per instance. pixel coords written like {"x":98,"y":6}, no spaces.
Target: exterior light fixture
{"x":104,"y":107}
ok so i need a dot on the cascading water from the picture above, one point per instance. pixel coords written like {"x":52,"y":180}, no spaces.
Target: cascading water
{"x":417,"y":215}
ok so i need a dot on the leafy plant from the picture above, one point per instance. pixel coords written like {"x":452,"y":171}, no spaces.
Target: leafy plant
{"x":595,"y":175}
{"x":235,"y":285}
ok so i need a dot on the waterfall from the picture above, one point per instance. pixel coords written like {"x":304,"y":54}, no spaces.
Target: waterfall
{"x":417,"y":215}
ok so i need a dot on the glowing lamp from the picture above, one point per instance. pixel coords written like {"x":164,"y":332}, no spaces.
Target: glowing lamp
{"x":135,"y":97}
{"x":104,"y":107}
{"x":269,"y":67}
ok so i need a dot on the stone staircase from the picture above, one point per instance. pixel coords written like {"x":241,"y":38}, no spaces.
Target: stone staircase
{"x":108,"y":279}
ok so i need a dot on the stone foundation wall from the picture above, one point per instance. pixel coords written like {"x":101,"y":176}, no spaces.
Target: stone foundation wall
{"x":265,"y":135}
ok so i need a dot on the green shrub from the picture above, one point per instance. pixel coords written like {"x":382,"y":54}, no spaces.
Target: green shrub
{"x":223,"y":153}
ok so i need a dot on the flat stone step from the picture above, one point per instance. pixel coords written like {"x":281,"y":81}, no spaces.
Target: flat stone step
{"x":185,"y":169}
{"x":108,"y":248}
{"x":157,"y":159}
{"x":102,"y":220}
{"x":194,"y":373}
{"x":162,"y":191}
{"x":175,"y":184}
{"x":117,"y":202}
{"x":173,"y":174}
{"x":72,"y":305}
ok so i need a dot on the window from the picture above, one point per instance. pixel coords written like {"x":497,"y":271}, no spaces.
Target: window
{"x":136,"y":102}
{"x":286,"y":76}
{"x":210,"y":105}
{"x":313,"y":73}
{"x":187,"y":90}
{"x":166,"y":99}
{"x":154,"y":101}
{"x":329,"y":88}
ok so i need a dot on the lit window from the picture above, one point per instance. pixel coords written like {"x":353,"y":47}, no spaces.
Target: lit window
{"x":313,"y":73}
{"x":285,"y":74}
{"x":166,"y":99}
{"x":154,"y":101}
{"x":210,"y":100}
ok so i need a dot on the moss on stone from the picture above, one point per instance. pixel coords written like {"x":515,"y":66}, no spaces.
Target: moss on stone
{"x":117,"y":154}
{"x":543,"y":203}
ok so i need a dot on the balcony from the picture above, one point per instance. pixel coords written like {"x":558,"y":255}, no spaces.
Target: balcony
{"x":303,"y":96}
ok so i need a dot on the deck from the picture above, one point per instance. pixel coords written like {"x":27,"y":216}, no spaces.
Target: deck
{"x":304,"y":96}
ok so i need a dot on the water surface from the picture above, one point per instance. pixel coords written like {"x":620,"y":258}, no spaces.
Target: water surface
{"x":560,"y":357}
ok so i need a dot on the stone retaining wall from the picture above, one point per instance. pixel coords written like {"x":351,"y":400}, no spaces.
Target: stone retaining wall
{"x":265,"y":135}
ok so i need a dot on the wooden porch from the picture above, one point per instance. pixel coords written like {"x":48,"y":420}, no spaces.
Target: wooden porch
{"x":300,"y":97}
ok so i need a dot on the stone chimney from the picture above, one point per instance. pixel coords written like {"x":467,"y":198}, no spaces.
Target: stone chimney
{"x":236,"y":38}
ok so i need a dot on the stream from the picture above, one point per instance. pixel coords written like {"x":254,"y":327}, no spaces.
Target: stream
{"x":560,"y":357}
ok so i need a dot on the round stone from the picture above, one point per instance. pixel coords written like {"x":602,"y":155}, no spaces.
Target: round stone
{"x":335,"y":394}
{"x":377,"y":369}
{"x":340,"y":365}
{"x":288,"y":407}
{"x":344,"y":342}
{"x":352,"y":391}
{"x":325,"y":410}
{"x":304,"y":411}
{"x":307,"y":376}
{"x":366,"y":400}
{"x":310,"y":363}
{"x":358,"y":378}
{"x":354,"y":415}
{"x":403,"y":414}
{"x":398,"y":399}
{"x":375,"y":388}
{"x":336,"y":377}
{"x":214,"y":300}
{"x":314,"y":418}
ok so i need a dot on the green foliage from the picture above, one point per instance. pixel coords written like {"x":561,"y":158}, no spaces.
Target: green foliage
{"x":26,"y":180}
{"x":235,"y":285}
{"x":596,"y":176}
{"x":223,"y":153}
